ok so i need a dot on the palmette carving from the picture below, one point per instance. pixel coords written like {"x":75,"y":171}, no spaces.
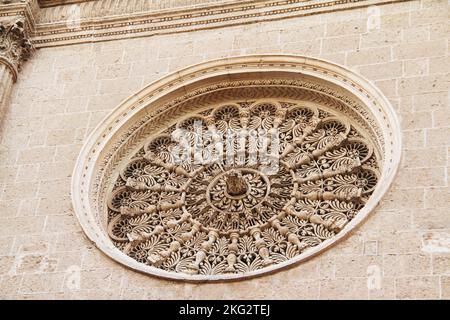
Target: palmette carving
{"x":222,"y":218}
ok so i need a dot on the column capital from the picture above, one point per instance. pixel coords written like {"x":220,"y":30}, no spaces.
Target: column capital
{"x":17,"y":20}
{"x":15,"y":44}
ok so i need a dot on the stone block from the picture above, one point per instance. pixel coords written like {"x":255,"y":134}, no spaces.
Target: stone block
{"x":417,"y":287}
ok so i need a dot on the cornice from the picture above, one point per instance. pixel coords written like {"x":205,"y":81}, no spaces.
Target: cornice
{"x":105,"y":20}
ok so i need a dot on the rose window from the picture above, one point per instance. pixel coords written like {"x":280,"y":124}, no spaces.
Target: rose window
{"x":236,"y":168}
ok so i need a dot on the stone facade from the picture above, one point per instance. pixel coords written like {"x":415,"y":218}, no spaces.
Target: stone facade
{"x":402,"y":251}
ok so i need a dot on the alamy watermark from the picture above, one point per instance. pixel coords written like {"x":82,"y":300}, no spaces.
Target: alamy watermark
{"x":373,"y":18}
{"x":374,"y":277}
{"x":231,"y":148}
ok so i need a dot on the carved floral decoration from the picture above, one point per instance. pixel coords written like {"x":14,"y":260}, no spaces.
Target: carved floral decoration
{"x":215,"y":218}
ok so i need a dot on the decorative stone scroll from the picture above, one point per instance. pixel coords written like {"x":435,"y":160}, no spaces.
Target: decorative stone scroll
{"x":308,"y":160}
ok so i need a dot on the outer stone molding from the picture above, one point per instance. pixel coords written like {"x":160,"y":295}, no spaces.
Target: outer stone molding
{"x":127,"y":131}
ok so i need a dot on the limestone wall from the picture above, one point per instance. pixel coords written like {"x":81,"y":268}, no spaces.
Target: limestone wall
{"x":63,"y":92}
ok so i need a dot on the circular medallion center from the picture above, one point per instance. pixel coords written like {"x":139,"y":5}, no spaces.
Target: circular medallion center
{"x":236,"y":184}
{"x":238,"y":190}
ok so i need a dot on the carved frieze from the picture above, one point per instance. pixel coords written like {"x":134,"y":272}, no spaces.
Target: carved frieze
{"x":91,"y":21}
{"x":62,"y":22}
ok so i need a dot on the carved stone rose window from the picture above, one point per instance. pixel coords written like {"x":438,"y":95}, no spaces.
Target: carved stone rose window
{"x":281,"y":157}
